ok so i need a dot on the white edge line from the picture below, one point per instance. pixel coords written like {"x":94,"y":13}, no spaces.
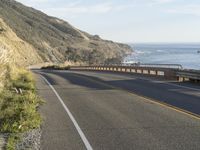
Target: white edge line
{"x":83,"y":137}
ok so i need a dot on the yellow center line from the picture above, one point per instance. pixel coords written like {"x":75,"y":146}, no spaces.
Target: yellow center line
{"x":145,"y":98}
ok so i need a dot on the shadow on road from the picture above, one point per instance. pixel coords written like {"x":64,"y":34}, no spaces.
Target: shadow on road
{"x":186,"y":99}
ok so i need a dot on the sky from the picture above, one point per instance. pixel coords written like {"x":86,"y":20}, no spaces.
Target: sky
{"x":130,"y":21}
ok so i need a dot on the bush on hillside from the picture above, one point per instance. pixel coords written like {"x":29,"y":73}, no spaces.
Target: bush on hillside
{"x":56,"y":67}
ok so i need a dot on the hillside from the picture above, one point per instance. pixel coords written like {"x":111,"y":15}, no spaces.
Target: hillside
{"x":14,"y":50}
{"x":54,"y":40}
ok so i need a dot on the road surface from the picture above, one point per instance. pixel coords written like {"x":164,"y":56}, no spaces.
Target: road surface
{"x":104,"y":111}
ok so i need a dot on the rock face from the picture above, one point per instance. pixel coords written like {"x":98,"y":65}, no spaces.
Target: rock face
{"x":54,"y":40}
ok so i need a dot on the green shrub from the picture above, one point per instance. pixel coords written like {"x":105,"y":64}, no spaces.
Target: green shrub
{"x":23,"y":85}
{"x":56,"y":67}
{"x":18,"y":110}
{"x":11,"y":142}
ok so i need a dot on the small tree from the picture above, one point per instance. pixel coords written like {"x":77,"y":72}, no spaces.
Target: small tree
{"x":96,"y":57}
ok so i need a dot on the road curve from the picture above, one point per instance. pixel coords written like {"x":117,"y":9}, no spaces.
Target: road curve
{"x":111,"y":118}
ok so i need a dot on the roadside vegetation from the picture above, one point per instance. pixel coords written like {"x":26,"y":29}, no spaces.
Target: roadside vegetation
{"x":19,"y":104}
{"x":56,"y":67}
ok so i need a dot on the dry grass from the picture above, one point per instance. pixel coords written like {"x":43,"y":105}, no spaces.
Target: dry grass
{"x":2,"y":76}
{"x":14,"y":50}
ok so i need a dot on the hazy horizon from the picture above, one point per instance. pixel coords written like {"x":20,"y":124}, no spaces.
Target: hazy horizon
{"x":139,"y":21}
{"x":177,"y":43}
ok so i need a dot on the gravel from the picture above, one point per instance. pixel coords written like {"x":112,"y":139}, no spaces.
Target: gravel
{"x":2,"y":141}
{"x":30,"y":140}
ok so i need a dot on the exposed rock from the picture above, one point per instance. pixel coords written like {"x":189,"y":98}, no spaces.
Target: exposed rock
{"x":96,"y":37}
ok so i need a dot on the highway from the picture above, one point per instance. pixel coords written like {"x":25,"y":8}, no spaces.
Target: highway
{"x":115,"y":111}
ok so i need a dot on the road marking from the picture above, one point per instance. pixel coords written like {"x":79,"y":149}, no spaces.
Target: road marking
{"x":83,"y":137}
{"x":154,"y":81}
{"x":147,"y":99}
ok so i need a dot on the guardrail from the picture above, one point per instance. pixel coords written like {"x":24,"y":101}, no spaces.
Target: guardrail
{"x":193,"y":75}
{"x":172,"y":66}
{"x":168,"y":73}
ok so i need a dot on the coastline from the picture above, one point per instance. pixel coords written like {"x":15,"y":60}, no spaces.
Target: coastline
{"x":184,"y":54}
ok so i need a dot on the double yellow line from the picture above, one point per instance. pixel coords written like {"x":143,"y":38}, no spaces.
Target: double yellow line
{"x":147,"y":99}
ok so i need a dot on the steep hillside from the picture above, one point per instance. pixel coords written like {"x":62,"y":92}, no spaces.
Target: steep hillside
{"x":14,"y":50}
{"x":54,"y":39}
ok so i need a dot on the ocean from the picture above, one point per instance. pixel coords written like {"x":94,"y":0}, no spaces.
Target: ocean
{"x":187,"y":55}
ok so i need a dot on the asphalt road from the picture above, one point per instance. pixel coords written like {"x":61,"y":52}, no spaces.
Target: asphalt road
{"x":110,"y":118}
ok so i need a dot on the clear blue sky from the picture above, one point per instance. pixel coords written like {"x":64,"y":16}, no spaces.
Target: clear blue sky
{"x":129,"y":20}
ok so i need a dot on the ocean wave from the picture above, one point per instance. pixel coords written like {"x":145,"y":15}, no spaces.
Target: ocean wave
{"x":142,"y":52}
{"x":160,"y":51}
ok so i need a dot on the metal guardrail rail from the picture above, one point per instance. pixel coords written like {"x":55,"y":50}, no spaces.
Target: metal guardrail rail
{"x":188,"y":74}
{"x":168,"y":71}
{"x":173,"y":66}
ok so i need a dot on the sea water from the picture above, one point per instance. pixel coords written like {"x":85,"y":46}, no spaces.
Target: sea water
{"x":187,"y":55}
